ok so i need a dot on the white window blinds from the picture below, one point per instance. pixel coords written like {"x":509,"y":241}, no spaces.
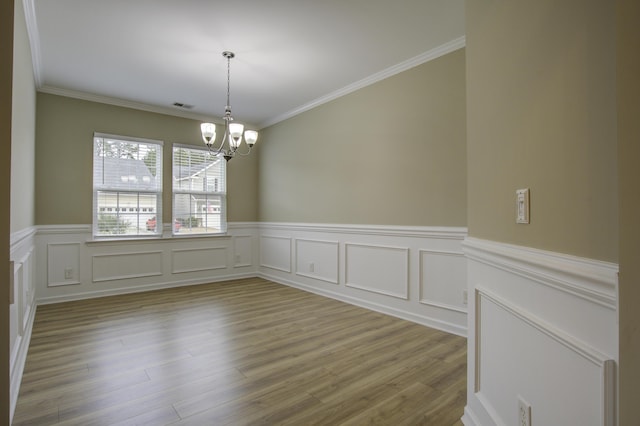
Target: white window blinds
{"x":199,"y":191}
{"x":127,"y":186}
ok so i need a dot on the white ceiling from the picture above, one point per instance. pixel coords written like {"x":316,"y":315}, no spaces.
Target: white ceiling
{"x":290,"y":54}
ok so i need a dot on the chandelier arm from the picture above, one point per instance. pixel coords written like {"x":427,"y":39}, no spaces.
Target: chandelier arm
{"x":213,"y":150}
{"x":220,"y":149}
{"x":245,"y":153}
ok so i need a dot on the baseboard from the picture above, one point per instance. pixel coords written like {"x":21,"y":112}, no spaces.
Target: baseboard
{"x":140,"y":288}
{"x":469,"y":418}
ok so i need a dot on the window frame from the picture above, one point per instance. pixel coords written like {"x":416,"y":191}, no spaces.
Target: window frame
{"x":100,"y":188}
{"x":221,"y":193}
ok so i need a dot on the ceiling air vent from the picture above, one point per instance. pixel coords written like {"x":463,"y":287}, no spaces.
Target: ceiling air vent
{"x":181,"y":105}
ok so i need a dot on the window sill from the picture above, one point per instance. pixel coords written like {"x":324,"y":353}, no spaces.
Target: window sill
{"x":154,"y":239}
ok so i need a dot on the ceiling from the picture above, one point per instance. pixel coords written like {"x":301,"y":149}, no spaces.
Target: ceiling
{"x":291,"y":55}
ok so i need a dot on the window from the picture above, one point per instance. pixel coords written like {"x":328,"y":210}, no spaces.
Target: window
{"x":199,"y":191}
{"x":127,"y":181}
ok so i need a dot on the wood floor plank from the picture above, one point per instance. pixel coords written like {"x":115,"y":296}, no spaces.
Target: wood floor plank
{"x":160,"y":416}
{"x":82,"y":387}
{"x":137,"y":400}
{"x":220,"y":402}
{"x":341,"y":403}
{"x":240,"y":352}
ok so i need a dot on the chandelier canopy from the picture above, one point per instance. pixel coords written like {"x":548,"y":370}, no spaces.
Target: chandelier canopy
{"x":233,"y":132}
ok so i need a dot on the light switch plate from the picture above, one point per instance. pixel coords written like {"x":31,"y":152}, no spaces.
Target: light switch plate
{"x":522,"y":205}
{"x":524,"y":412}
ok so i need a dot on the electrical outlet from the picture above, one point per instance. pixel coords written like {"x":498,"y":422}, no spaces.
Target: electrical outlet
{"x":524,"y":412}
{"x":238,"y":258}
{"x":312,"y":267}
{"x":465,"y":296}
{"x":68,"y":273}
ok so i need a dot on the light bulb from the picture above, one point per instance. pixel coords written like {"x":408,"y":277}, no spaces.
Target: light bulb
{"x":235,"y":129}
{"x":208,"y":132}
{"x":250,"y":136}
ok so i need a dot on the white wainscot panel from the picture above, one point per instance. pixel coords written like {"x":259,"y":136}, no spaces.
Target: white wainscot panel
{"x":23,"y":277}
{"x":317,"y":259}
{"x":443,"y":280}
{"x":22,"y":309}
{"x":378,"y":269}
{"x":63,"y":264}
{"x":198,"y":259}
{"x":563,"y":380}
{"x":242,"y":251}
{"x":275,"y":253}
{"x":18,"y":291}
{"x":28,"y":290}
{"x":120,"y":266}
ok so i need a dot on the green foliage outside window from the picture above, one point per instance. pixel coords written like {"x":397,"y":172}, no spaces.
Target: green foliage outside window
{"x":112,"y":224}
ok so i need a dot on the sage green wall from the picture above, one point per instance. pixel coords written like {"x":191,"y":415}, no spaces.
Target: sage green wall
{"x":64,"y":147}
{"x":628,"y":42}
{"x":22,"y":128}
{"x":541,"y":114}
{"x":392,"y":153}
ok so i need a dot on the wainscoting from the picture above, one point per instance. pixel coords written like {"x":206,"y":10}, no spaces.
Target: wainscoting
{"x":542,"y":329}
{"x":75,"y":266}
{"x":22,"y":307}
{"x":415,"y":273}
{"x":541,"y":326}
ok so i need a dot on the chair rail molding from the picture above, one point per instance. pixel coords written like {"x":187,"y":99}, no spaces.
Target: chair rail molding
{"x":591,"y":279}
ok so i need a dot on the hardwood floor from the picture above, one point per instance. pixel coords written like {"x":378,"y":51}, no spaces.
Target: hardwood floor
{"x":236,"y":353}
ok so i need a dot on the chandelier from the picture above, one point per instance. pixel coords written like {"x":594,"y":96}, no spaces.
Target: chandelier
{"x":232,"y":131}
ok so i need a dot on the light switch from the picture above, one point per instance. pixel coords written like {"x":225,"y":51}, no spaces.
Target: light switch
{"x":522,"y":205}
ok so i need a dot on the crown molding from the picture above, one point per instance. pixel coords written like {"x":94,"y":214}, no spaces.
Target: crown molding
{"x":34,"y":40}
{"x":76,"y":94}
{"x":427,"y":56}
